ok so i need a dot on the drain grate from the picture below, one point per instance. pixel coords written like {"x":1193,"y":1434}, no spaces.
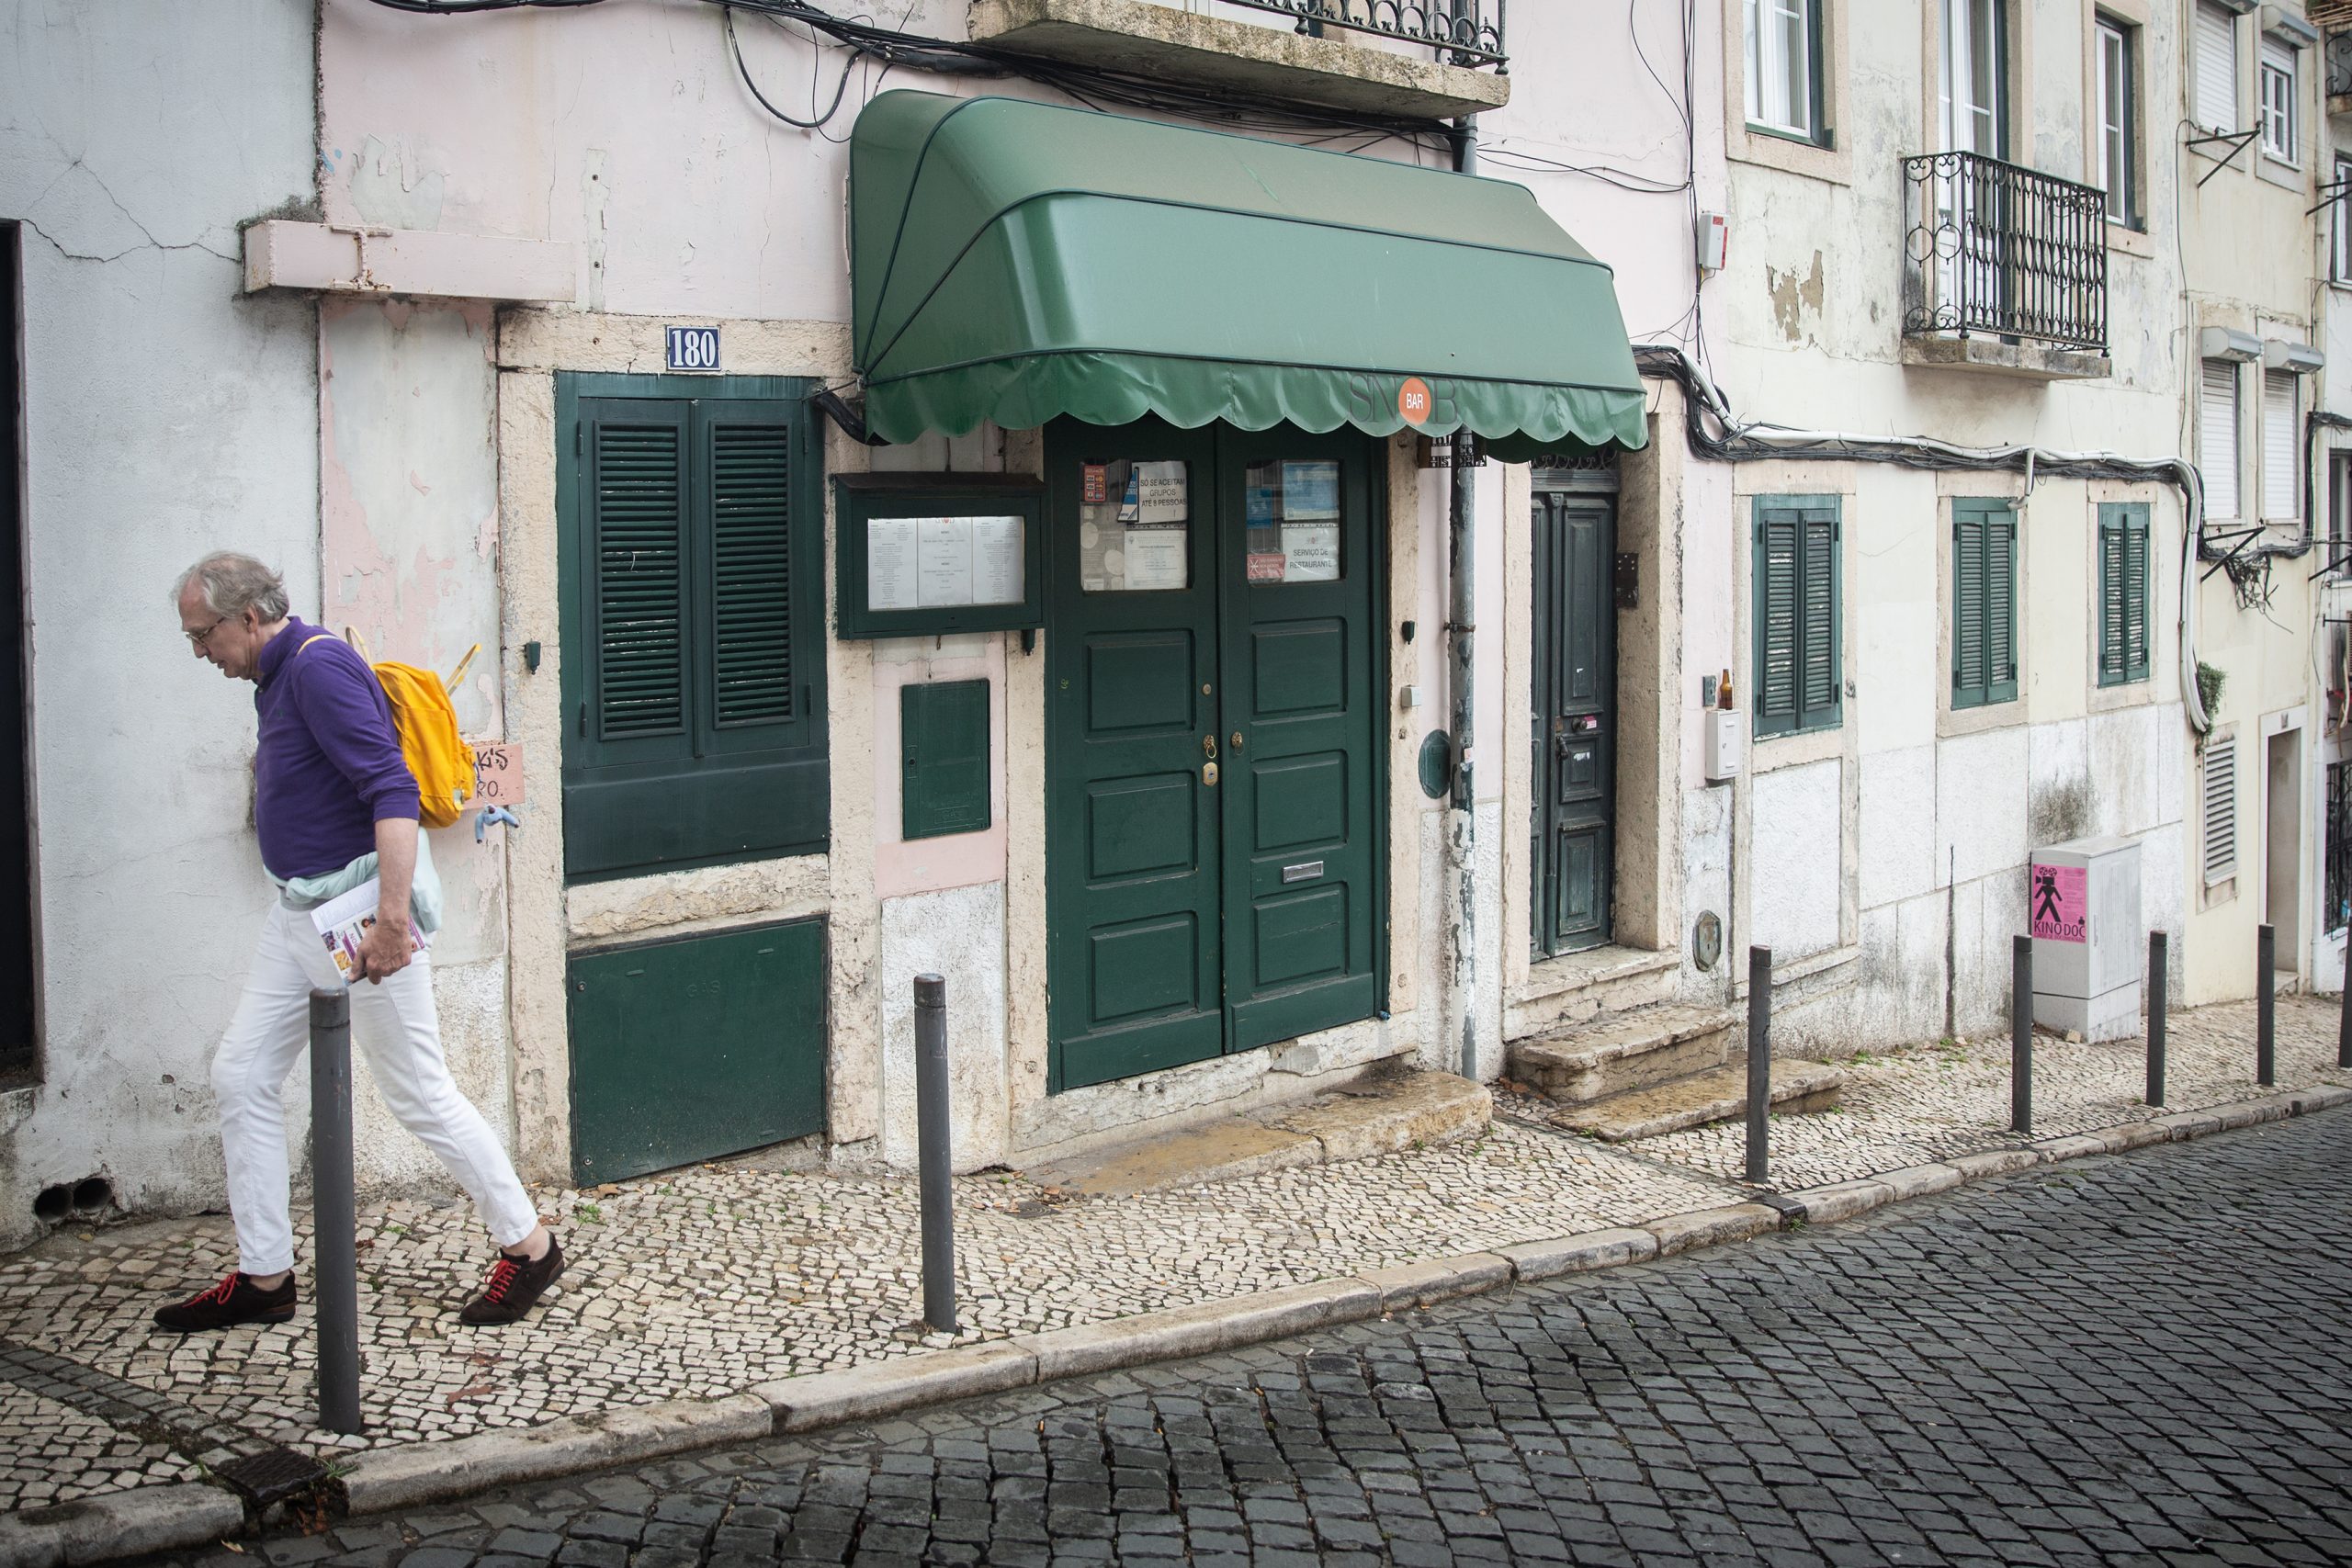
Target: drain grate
{"x":272,"y":1476}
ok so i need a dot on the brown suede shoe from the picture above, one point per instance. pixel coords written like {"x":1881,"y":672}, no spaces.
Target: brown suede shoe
{"x":233,"y":1301}
{"x":514,"y":1286}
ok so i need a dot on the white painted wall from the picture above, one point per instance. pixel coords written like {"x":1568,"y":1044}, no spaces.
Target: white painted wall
{"x":166,"y":415}
{"x":1906,"y":885}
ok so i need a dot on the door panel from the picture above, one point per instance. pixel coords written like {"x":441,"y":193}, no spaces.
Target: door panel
{"x":1132,"y":872}
{"x":1573,"y":747}
{"x":1211,"y":846}
{"x":689,"y":1048}
{"x":1299,"y":837}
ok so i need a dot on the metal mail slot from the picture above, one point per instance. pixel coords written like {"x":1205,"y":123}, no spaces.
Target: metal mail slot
{"x":1305,"y":871}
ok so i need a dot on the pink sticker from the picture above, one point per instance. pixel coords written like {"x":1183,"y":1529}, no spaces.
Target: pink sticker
{"x":2058,"y":905}
{"x":1267,"y":565}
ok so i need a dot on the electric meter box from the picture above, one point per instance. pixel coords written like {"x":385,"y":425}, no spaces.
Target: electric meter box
{"x":2083,"y":911}
{"x":1726,"y":744}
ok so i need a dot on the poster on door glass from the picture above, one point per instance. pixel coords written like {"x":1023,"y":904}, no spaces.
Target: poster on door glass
{"x":1135,"y":527}
{"x":1292,"y":512}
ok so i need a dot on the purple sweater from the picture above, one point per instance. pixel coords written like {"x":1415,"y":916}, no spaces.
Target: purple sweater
{"x":329,"y":767}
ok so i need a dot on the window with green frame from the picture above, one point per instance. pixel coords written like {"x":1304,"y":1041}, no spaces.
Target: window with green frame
{"x":2122,"y":592}
{"x":1985,"y":603}
{"x":690,"y":559}
{"x":1799,"y":672}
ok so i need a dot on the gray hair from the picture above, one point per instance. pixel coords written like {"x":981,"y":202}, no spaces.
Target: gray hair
{"x":231,"y":584}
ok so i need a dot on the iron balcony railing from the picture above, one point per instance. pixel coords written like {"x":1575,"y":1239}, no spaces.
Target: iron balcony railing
{"x":2005,"y":251}
{"x":2338,"y":54}
{"x":1472,"y":29}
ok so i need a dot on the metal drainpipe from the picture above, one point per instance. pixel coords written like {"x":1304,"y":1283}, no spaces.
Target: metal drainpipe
{"x":1461,"y":623}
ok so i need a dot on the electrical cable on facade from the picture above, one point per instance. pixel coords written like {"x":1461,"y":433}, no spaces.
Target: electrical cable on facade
{"x":1714,"y":432}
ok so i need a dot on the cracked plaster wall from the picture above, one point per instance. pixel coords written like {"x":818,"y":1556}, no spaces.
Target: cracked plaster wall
{"x":165,"y":415}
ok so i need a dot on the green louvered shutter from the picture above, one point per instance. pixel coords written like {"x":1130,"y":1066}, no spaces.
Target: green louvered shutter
{"x":1983,"y":623}
{"x":2001,"y":606}
{"x":2123,"y":593}
{"x":691,"y":661}
{"x":750,"y":642}
{"x":1824,"y":684}
{"x":2113,"y":619}
{"x":1779,"y":542}
{"x":1798,"y":670}
{"x":638,"y":500}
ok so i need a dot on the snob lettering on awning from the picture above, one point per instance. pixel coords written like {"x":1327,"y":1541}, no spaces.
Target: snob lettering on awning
{"x":1014,"y":261}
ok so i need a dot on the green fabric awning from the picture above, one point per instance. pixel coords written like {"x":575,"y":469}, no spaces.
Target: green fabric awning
{"x":1014,"y":261}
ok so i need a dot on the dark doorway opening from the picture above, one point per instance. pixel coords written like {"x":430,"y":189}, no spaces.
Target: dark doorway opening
{"x":19,"y":1041}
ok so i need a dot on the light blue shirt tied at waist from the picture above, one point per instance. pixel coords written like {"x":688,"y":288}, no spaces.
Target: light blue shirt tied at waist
{"x":423,"y":888}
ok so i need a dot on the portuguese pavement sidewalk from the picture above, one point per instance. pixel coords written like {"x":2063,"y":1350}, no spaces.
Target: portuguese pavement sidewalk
{"x":727,"y":1301}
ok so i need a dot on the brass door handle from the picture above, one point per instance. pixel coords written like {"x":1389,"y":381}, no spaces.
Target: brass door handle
{"x":1236,"y":741}
{"x":1208,"y":774}
{"x":1208,"y":747}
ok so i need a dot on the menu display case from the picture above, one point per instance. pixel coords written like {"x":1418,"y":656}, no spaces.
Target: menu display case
{"x":924,"y":555}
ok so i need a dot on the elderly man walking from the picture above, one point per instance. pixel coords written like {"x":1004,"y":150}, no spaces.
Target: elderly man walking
{"x":335,"y":805}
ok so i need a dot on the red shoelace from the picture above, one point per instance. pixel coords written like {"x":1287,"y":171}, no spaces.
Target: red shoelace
{"x":503,"y":1275}
{"x":218,"y":1294}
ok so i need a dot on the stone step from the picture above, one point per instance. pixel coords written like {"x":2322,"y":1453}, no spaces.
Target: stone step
{"x":1621,"y":1052}
{"x":1798,"y":1088}
{"x":1383,"y":1113}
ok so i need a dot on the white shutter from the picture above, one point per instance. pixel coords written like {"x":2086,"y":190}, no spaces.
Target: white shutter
{"x":2216,"y":437}
{"x":2217,"y":67}
{"x":2221,"y":809}
{"x":2278,"y":497}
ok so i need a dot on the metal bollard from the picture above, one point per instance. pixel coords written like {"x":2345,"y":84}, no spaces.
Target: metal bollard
{"x":932,"y":1140}
{"x":2344,"y":1020}
{"x":336,"y":1248}
{"x":2265,"y":1007}
{"x":1759,"y":1062}
{"x":2021,"y":1034}
{"x":2158,"y":942}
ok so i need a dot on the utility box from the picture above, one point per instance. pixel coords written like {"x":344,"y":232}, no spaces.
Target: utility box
{"x":2083,"y":910}
{"x":1726,"y":744}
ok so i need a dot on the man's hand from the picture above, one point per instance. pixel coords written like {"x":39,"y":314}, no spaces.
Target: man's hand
{"x":384,"y":950}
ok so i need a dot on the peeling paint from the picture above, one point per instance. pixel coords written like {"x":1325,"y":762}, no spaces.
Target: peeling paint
{"x":1792,"y":295}
{"x":391,"y":186}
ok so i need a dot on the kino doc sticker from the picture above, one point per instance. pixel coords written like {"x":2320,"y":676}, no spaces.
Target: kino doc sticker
{"x":2059,"y":905}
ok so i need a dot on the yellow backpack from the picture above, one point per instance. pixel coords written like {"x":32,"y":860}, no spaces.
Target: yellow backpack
{"x":426,"y":724}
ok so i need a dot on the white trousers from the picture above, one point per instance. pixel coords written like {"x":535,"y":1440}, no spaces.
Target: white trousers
{"x":396,"y":1027}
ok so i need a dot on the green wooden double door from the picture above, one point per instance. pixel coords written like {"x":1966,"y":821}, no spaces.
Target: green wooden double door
{"x":1213,"y":831}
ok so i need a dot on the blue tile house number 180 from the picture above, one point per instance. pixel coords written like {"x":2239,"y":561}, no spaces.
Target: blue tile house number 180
{"x":694,"y":348}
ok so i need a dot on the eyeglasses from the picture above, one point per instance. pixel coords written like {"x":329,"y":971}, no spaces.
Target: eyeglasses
{"x":197,"y":640}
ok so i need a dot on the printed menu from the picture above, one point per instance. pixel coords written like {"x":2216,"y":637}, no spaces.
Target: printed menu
{"x":940,"y":563}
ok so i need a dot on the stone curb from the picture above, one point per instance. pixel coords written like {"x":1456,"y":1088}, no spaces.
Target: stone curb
{"x":414,"y":1474}
{"x":119,"y":1524}
{"x":163,"y":1518}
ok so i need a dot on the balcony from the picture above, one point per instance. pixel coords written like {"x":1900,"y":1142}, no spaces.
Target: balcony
{"x":1419,"y":59}
{"x":2004,"y":269}
{"x":2337,"y":57}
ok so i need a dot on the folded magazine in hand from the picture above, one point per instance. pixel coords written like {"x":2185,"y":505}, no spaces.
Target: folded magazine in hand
{"x":342,"y":923}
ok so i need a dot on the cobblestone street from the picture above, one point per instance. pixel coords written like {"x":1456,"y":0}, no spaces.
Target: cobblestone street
{"x":703,"y":1281}
{"x":2129,"y":1360}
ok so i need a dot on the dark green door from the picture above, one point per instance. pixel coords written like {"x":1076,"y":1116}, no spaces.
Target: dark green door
{"x":1573,"y":765}
{"x":1212,"y":839}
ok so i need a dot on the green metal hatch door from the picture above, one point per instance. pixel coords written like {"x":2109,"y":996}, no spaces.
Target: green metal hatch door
{"x":1212,"y":843}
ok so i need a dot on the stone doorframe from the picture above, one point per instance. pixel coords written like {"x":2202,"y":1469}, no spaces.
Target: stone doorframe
{"x":1647,"y":884}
